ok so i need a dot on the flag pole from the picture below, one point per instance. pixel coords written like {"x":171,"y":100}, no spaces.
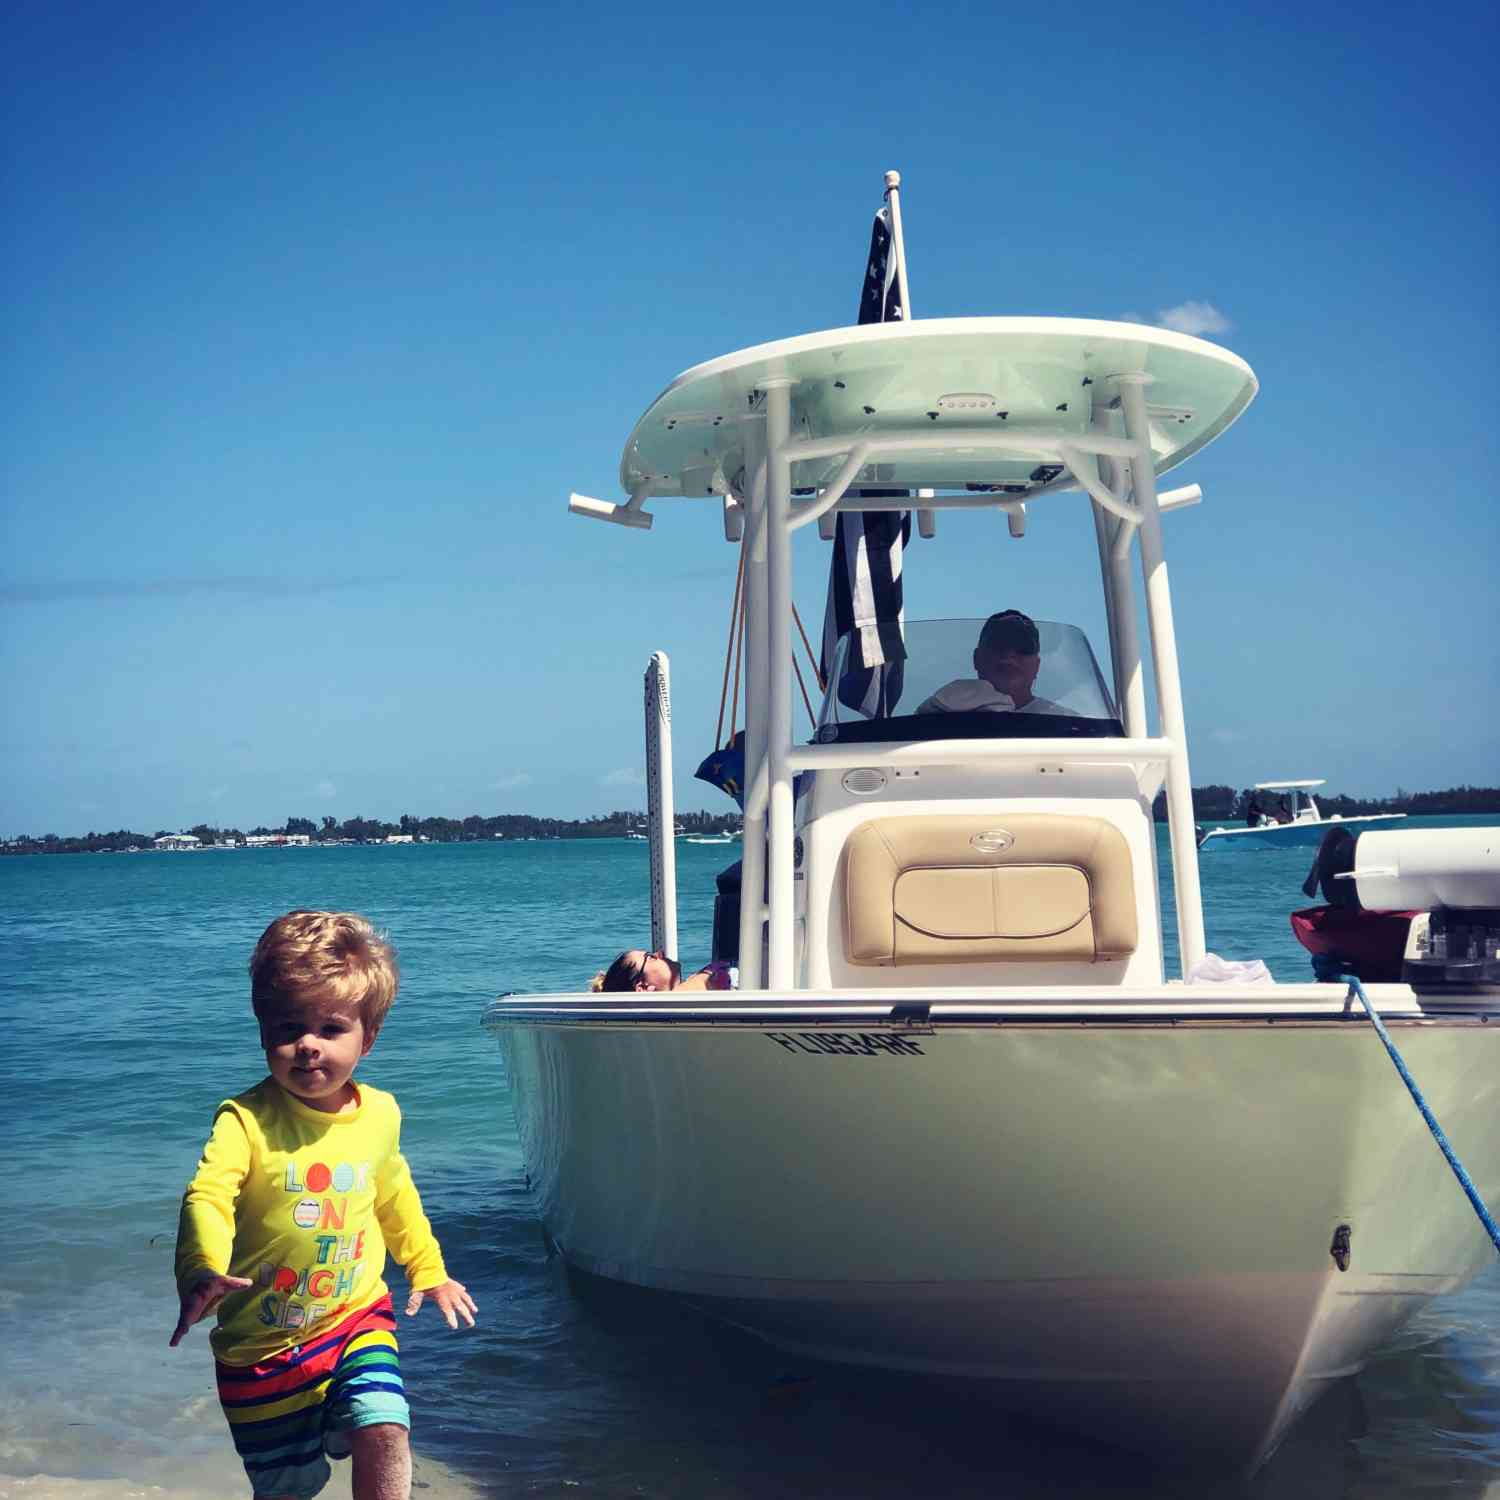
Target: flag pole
{"x":893,"y":197}
{"x":926,"y":520}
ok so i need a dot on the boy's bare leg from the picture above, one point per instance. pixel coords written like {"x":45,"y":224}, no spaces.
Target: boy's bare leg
{"x":381,"y":1455}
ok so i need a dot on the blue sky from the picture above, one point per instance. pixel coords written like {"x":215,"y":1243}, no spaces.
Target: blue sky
{"x":316,"y":314}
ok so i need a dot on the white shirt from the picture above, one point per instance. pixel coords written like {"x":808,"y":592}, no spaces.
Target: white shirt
{"x":966,"y":694}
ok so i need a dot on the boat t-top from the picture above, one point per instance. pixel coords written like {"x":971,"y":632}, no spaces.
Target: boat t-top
{"x":959,"y":1119}
{"x":1286,"y":817}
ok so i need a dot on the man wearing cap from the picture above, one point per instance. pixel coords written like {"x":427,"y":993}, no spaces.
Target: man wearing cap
{"x":1007,"y":659}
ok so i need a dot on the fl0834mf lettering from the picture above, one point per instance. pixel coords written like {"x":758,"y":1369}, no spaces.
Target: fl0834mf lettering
{"x":847,"y":1043}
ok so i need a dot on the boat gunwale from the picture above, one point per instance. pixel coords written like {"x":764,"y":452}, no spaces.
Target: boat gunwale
{"x":909,"y":1014}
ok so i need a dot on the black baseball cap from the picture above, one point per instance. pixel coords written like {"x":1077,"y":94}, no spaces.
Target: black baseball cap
{"x":1010,"y":630}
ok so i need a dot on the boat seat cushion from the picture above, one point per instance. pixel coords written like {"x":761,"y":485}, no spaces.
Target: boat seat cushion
{"x":1019,"y":887}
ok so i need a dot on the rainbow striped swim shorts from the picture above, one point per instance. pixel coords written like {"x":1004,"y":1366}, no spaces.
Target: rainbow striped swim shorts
{"x":293,"y":1413}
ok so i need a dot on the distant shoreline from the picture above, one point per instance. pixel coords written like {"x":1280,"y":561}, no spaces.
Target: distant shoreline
{"x":504,"y":827}
{"x":1220,"y":803}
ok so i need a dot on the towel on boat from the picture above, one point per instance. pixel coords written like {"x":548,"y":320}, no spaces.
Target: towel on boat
{"x":1211,"y":969}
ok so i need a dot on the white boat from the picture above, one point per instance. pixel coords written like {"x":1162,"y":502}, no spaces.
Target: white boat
{"x":708,"y":838}
{"x":1288,"y":818}
{"x":958,"y":1120}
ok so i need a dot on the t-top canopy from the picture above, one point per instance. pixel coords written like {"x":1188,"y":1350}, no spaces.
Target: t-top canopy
{"x":946,"y":375}
{"x":1288,"y":786}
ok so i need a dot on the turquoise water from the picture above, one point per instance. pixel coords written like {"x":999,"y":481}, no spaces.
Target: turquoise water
{"x":126,"y":1019}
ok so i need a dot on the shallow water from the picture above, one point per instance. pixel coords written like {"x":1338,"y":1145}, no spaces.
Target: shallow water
{"x":123,"y":993}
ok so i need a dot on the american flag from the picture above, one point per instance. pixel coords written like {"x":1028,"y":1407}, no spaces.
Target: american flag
{"x":880,"y":301}
{"x":864,"y":578}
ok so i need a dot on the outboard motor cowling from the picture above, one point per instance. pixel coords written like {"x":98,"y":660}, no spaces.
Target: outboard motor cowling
{"x":1425,"y":868}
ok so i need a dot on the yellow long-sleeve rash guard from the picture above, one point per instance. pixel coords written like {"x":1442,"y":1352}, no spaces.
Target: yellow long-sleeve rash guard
{"x":306,"y":1204}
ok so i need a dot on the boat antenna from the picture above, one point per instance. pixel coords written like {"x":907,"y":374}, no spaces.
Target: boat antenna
{"x":807,"y":702}
{"x":731,"y":654}
{"x":811,"y":657}
{"x":732,"y":660}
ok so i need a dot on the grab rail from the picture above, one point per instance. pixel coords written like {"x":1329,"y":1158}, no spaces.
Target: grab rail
{"x":904,"y":753}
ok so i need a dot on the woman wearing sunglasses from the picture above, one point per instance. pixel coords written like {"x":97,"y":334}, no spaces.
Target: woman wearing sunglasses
{"x":642,"y":970}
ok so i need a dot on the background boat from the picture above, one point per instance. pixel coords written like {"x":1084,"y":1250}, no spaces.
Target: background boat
{"x":1302,"y":824}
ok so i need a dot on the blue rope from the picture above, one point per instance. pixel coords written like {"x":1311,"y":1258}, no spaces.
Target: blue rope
{"x":1327,"y":967}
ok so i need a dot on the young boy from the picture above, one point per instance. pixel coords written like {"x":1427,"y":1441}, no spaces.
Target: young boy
{"x":285,"y":1226}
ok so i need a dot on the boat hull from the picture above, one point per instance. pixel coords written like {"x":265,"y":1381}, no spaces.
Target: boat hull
{"x":1127,"y":1223}
{"x":1305,"y":835}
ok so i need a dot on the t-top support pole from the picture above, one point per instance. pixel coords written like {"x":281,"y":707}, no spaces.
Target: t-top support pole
{"x":1119,"y":596}
{"x":1185,"y":885}
{"x":779,"y":967}
{"x":757,"y":695}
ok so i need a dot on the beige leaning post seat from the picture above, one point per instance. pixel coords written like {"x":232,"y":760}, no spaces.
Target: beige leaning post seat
{"x":1021,"y":888}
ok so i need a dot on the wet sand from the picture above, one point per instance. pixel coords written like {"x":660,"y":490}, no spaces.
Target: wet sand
{"x":217,"y":1477}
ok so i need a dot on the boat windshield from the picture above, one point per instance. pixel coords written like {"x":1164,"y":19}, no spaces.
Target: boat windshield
{"x":936,"y":693}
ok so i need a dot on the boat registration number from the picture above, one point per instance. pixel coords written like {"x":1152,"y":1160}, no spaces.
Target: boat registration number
{"x":847,"y":1043}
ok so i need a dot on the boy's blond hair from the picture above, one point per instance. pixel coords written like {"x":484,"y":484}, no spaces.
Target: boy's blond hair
{"x":328,"y":957}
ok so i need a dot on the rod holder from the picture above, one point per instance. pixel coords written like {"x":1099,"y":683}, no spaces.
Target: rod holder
{"x":629,"y":514}
{"x":734,"y":519}
{"x":1189,"y":494}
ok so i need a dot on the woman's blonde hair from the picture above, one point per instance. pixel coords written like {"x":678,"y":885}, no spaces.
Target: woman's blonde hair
{"x":327,"y":957}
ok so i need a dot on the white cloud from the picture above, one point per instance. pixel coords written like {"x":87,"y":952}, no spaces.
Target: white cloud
{"x":1194,"y":317}
{"x":625,"y":776}
{"x":49,"y":590}
{"x":511,"y":780}
{"x":1191,"y":316}
{"x":326,"y":790}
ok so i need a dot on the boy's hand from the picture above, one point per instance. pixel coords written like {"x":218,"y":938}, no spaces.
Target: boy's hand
{"x":201,"y":1298}
{"x":453,"y":1300}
